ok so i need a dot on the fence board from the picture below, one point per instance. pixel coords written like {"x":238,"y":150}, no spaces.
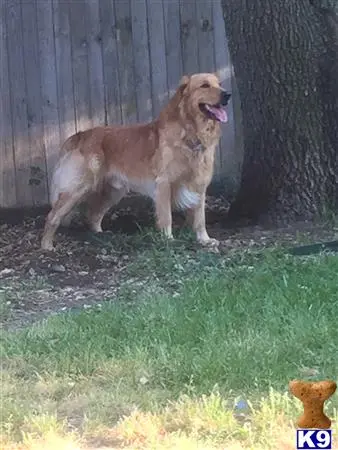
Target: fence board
{"x":141,"y":60}
{"x":206,"y":56}
{"x":38,"y":172}
{"x":189,"y":40}
{"x":7,"y":164}
{"x":18,"y":101}
{"x":158,"y":62}
{"x":125,"y":61}
{"x":173,"y":43}
{"x":49,"y":106}
{"x":79,"y":44}
{"x":227,"y":144}
{"x":96,"y":86}
{"x":110,"y":63}
{"x":63,"y":57}
{"x":205,"y":28}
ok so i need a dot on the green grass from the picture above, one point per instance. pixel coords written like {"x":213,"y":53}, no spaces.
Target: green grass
{"x":187,"y":328}
{"x":5,"y":305}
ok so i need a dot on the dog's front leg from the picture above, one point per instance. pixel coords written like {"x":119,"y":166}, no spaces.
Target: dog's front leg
{"x":196,"y":217}
{"x":163,"y":207}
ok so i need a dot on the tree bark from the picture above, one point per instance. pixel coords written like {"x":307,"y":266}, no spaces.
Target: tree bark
{"x":285,"y":55}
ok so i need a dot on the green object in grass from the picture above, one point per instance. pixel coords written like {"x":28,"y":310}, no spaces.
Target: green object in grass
{"x":331,"y":246}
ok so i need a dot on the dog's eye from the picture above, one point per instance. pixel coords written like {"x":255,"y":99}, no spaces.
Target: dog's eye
{"x":205,"y":85}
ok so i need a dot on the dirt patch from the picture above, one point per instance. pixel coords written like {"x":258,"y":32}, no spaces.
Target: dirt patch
{"x":86,"y":268}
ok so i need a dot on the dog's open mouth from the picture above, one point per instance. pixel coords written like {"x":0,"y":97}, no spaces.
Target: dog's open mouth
{"x":215,"y":112}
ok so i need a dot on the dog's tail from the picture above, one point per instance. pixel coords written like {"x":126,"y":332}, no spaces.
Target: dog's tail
{"x":74,"y":168}
{"x":73,"y":142}
{"x":67,"y":174}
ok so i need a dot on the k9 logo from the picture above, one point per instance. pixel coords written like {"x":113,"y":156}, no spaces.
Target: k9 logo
{"x":314,"y":439}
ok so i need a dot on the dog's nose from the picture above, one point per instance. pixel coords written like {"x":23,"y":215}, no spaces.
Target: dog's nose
{"x":225,"y":96}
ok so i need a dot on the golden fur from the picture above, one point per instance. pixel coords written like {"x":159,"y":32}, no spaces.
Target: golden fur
{"x":170,"y":159}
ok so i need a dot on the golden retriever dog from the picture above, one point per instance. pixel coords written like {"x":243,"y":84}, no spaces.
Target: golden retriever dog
{"x":170,"y":159}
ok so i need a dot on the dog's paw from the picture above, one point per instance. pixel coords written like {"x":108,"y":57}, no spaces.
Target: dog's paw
{"x":167,"y":233}
{"x":210,"y":244}
{"x":168,"y":238}
{"x":96,"y":228}
{"x":47,"y":246}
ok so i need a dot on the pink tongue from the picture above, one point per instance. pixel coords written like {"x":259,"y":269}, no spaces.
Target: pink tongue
{"x":219,"y":113}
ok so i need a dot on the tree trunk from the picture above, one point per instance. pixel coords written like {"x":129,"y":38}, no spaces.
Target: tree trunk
{"x":285,"y":55}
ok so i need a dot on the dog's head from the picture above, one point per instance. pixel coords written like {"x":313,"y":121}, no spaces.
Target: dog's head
{"x":205,"y":96}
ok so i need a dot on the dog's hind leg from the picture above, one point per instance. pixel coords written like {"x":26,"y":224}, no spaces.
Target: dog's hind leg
{"x":72,"y":181}
{"x":99,"y":203}
{"x":66,"y":221}
{"x":63,"y":206}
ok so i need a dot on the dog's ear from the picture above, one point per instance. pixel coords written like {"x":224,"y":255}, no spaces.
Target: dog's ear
{"x":183,"y":83}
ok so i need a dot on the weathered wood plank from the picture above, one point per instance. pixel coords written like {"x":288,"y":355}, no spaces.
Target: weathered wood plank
{"x":96,"y":86}
{"x":7,"y":163}
{"x":81,"y":84}
{"x":18,"y":102}
{"x":50,"y":114}
{"x":205,"y":34}
{"x":189,"y":37}
{"x":222,"y":56}
{"x":38,"y":172}
{"x":158,"y":61}
{"x":206,"y":56}
{"x":227,"y":158}
{"x":110,"y":63}
{"x":63,"y":57}
{"x":143,"y":74}
{"x":125,"y":61}
{"x":173,"y":43}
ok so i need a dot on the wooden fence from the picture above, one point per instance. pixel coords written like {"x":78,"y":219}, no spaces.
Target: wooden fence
{"x":67,"y":65}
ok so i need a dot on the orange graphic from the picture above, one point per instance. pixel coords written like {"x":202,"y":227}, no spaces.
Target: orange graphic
{"x":313,"y":394}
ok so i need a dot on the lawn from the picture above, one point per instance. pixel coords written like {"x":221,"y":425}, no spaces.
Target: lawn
{"x":197,"y":353}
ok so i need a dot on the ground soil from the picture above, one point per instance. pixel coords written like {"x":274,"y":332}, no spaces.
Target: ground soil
{"x":82,"y":271}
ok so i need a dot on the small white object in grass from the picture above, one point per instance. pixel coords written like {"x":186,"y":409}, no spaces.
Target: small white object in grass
{"x":144,"y":380}
{"x":68,"y":289}
{"x":285,"y":281}
{"x":6,"y":271}
{"x":305,"y":288}
{"x":87,"y":306}
{"x":58,"y":268}
{"x":309,"y":371}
